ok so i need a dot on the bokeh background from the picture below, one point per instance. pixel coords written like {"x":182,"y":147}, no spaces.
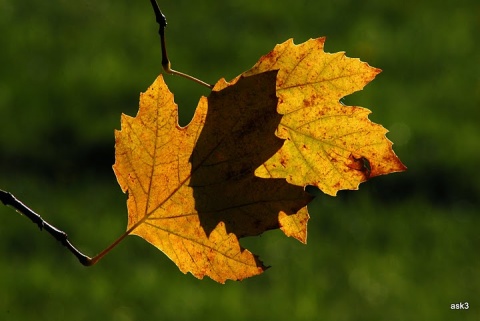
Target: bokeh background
{"x":403,"y":247}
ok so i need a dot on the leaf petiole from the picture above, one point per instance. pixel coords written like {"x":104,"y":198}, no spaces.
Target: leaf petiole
{"x":162,"y":21}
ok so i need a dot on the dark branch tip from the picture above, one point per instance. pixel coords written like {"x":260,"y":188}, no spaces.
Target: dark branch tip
{"x":159,"y":16}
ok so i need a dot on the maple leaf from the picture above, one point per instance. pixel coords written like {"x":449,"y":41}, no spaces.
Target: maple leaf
{"x":192,"y":190}
{"x":239,"y":168}
{"x":328,"y":144}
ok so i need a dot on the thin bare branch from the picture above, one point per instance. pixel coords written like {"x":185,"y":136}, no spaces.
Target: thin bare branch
{"x":162,"y":21}
{"x":9,"y":200}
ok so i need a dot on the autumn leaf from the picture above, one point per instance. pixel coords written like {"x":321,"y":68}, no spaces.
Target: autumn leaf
{"x":192,"y":190}
{"x":239,"y":168}
{"x":328,"y":144}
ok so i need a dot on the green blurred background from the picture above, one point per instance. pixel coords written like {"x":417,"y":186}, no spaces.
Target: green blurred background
{"x":403,"y":247}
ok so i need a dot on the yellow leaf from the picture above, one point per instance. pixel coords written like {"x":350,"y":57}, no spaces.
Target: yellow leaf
{"x":295,"y":225}
{"x":192,"y":190}
{"x":328,"y":144}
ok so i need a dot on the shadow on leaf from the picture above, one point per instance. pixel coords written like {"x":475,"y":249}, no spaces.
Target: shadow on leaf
{"x":238,"y":136}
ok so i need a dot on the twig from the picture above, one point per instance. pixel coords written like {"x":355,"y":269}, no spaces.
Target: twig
{"x":162,"y":21}
{"x":9,"y":200}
